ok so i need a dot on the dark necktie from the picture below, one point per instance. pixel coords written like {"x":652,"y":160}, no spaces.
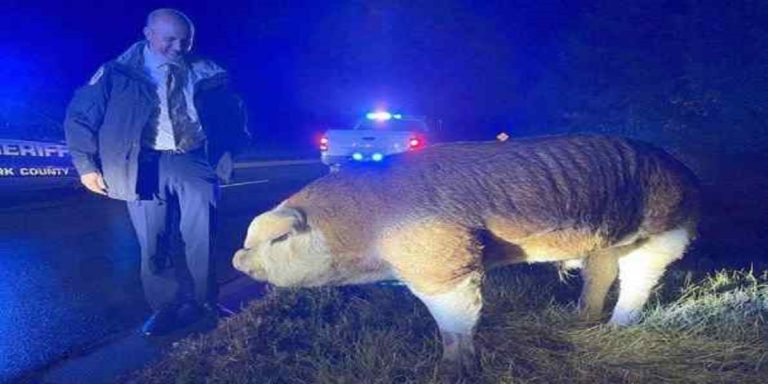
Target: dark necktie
{"x":177,"y":106}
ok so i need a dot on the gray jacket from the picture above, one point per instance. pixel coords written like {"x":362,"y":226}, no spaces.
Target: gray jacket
{"x":106,"y":118}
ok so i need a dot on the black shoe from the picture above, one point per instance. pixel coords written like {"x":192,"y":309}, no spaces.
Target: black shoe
{"x":218,"y":310}
{"x":160,"y":323}
{"x":190,"y":313}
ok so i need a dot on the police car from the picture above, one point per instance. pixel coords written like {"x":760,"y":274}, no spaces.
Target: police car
{"x":26,"y":164}
{"x":373,"y":138}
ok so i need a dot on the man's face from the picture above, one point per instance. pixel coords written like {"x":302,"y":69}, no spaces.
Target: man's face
{"x":169,"y":38}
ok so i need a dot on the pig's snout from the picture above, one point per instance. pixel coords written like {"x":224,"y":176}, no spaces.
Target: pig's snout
{"x":239,"y":261}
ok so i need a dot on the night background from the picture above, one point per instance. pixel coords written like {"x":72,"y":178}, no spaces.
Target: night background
{"x":663,"y":70}
{"x":688,"y":76}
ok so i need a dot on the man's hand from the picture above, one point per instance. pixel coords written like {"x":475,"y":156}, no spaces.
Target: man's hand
{"x":94,"y":182}
{"x":224,"y":168}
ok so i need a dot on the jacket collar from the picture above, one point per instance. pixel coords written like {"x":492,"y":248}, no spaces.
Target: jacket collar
{"x":132,"y":60}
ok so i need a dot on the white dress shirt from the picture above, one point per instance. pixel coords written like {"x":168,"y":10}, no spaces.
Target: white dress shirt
{"x":157,"y":67}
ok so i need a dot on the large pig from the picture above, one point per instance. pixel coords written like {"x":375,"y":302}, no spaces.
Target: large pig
{"x":438,"y":219}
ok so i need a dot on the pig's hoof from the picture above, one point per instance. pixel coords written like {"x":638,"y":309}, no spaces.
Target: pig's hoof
{"x":589,"y":317}
{"x":451,"y":374}
{"x":464,"y":372}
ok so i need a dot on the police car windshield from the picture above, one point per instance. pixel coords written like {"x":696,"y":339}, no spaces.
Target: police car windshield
{"x":393,"y":125}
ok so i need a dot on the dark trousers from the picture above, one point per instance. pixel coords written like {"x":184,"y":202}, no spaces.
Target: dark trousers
{"x":174,"y":223}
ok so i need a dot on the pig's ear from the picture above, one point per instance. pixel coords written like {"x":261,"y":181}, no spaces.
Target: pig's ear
{"x":274,"y":224}
{"x":295,"y":216}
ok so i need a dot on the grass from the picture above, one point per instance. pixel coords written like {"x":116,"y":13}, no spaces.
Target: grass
{"x":709,"y":329}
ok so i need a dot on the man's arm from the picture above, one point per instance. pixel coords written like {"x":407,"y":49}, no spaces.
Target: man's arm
{"x":85,"y":114}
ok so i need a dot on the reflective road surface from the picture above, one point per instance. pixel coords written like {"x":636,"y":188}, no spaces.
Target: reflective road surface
{"x":69,"y":264}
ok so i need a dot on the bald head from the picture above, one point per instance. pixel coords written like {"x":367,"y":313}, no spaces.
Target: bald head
{"x":164,"y":15}
{"x":169,"y":33}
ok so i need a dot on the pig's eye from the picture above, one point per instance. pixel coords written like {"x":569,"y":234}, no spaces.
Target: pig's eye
{"x":278,"y":239}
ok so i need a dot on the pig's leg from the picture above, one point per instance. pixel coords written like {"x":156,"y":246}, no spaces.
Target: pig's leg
{"x":598,"y":272}
{"x":456,"y":312}
{"x":440,"y":263}
{"x":640,"y":270}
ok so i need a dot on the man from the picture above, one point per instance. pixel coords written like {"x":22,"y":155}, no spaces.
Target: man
{"x":147,"y":129}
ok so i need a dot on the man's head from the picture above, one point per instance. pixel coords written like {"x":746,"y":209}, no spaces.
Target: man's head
{"x":169,"y":33}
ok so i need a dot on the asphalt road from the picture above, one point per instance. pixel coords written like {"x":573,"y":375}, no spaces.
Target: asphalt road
{"x":69,"y":265}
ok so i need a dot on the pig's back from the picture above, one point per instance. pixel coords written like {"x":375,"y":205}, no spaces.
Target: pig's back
{"x":597,"y":182}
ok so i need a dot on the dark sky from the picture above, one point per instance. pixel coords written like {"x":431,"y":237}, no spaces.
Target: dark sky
{"x":305,"y":65}
{"x":304,"y":62}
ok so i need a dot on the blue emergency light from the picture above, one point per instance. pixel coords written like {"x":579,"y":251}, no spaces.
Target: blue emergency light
{"x":380,"y":116}
{"x":383,"y":116}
